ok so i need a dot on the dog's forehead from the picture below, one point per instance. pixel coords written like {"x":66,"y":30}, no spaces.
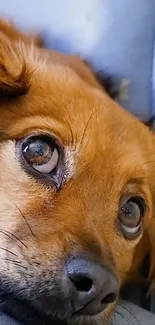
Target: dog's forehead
{"x":61,"y":102}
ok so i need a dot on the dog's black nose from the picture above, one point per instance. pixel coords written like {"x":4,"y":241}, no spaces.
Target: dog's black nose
{"x":92,"y":286}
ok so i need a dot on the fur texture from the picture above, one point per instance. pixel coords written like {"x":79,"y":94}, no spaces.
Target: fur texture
{"x":107,"y":154}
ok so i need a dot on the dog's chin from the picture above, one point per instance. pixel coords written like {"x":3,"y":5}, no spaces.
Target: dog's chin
{"x":23,"y":312}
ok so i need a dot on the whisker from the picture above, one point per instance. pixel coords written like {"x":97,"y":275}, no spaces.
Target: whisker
{"x":9,"y":260}
{"x":106,"y":320}
{"x":87,"y":124}
{"x":122,"y":316}
{"x":130,"y":312}
{"x":114,"y":318}
{"x":1,"y":231}
{"x":7,"y":250}
{"x":10,"y":235}
{"x":25,"y":220}
{"x":14,"y":262}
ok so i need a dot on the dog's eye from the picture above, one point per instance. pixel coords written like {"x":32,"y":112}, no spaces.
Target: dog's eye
{"x":41,"y":154}
{"x":130,"y":216}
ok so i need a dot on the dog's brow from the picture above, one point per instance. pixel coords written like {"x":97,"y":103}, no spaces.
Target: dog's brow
{"x":137,"y":180}
{"x":3,"y":136}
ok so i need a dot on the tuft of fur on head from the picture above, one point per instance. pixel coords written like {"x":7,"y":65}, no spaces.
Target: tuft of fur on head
{"x":14,"y":75}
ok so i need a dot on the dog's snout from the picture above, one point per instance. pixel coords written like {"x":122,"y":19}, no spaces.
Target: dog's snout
{"x":91,"y":285}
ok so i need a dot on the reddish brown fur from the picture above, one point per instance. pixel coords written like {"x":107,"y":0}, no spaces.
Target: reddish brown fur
{"x":110,"y":153}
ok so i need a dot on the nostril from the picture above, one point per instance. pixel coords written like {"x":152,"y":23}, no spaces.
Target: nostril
{"x":82,"y":284}
{"x":111,"y":297}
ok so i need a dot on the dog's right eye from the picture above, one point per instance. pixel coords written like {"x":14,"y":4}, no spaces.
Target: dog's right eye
{"x":41,"y":154}
{"x":131,"y":212}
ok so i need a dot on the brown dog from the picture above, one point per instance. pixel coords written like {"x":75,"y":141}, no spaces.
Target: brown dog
{"x":76,"y":189}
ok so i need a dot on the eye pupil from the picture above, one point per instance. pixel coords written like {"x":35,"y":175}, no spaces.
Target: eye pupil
{"x":39,"y":149}
{"x":37,"y":152}
{"x":126,"y":211}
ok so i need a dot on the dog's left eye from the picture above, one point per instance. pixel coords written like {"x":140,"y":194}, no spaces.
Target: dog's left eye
{"x":41,"y":154}
{"x":130,"y":216}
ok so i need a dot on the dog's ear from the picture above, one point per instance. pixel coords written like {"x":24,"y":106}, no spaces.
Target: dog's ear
{"x":14,"y":76}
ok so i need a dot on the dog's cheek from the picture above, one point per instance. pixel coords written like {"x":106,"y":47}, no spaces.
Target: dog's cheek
{"x":21,"y":201}
{"x":128,"y":257}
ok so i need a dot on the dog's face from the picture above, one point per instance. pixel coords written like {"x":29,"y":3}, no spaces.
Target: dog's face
{"x":76,"y":190}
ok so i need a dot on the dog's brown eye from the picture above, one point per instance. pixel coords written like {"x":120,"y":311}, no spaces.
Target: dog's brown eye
{"x":41,"y":154}
{"x":130,"y":215}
